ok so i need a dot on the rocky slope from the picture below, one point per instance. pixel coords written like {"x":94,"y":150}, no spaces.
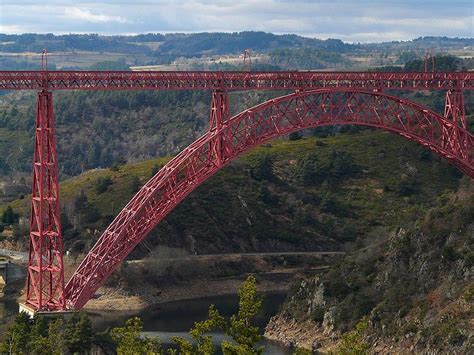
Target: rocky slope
{"x":411,"y":291}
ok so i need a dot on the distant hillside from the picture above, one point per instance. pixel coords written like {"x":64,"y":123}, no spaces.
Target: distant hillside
{"x":159,"y":49}
{"x":222,"y":43}
{"x":181,"y":44}
{"x":178,"y":44}
{"x":100,"y":129}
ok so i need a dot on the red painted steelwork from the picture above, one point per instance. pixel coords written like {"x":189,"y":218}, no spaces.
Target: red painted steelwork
{"x":247,"y":59}
{"x":454,"y":112}
{"x":209,"y":80}
{"x":342,"y":98}
{"x":45,"y":288}
{"x":228,"y":138}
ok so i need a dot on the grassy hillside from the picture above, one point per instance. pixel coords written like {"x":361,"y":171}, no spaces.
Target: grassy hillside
{"x":392,"y":183}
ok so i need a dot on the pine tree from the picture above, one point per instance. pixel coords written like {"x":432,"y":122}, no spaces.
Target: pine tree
{"x":78,"y":334}
{"x":56,"y":336}
{"x":9,"y":216}
{"x":17,"y":336}
{"x":129,"y":342}
{"x":241,"y":328}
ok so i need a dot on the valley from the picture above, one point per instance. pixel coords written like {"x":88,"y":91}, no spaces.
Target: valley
{"x":359,"y":237}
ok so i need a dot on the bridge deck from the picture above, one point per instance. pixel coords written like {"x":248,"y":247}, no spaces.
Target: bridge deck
{"x":231,"y":81}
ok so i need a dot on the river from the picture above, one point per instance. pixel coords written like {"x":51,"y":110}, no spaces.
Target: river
{"x":176,"y":318}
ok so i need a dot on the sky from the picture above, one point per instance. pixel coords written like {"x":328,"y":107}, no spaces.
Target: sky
{"x":350,"y":20}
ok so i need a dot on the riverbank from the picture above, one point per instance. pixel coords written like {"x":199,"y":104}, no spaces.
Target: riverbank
{"x":117,"y":299}
{"x":141,"y":283}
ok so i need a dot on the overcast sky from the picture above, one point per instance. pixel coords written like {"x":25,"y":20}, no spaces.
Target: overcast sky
{"x":351,"y":21}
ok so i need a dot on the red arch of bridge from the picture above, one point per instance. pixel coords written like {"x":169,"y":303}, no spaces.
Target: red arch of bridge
{"x":228,"y":138}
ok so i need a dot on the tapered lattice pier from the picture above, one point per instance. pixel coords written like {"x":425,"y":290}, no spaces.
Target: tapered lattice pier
{"x":45,"y":289}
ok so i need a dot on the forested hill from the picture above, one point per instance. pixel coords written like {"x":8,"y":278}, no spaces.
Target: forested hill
{"x":193,"y":44}
{"x":102,"y":129}
{"x":163,"y":49}
{"x":175,"y":44}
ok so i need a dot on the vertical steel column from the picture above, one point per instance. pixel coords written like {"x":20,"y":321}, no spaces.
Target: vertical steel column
{"x":248,"y":59}
{"x":45,"y":288}
{"x":218,"y":117}
{"x":453,"y":138}
{"x":454,"y":108}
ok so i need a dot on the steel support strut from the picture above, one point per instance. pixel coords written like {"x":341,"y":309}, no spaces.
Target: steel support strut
{"x":218,"y":118}
{"x":454,"y":112}
{"x":45,"y":288}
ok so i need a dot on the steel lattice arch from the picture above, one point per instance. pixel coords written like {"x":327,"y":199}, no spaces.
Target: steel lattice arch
{"x":227,"y":138}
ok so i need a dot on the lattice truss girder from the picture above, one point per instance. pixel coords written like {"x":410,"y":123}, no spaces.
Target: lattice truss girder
{"x":199,"y":80}
{"x":227,"y":138}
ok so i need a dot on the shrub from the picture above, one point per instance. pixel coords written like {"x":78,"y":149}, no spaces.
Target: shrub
{"x":262,"y":167}
{"x":469,"y":259}
{"x":341,"y":164}
{"x":102,"y":184}
{"x":310,"y":170}
{"x":9,"y":216}
{"x":352,"y":342}
{"x":118,"y":163}
{"x":294,"y":136}
{"x":135,"y":184}
{"x":318,"y":315}
{"x":87,"y":211}
{"x":469,"y":294}
{"x":407,"y":187}
{"x":155,"y":170}
{"x":410,"y":328}
{"x":265,"y":196}
{"x":448,"y":253}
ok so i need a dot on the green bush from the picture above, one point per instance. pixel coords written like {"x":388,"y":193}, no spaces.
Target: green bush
{"x":469,"y":294}
{"x":352,"y":343}
{"x":407,"y":187}
{"x":102,"y":184}
{"x":410,"y":328}
{"x":318,"y":315}
{"x":294,"y":136}
{"x":341,"y":164}
{"x":448,"y":253}
{"x":262,"y":167}
{"x":310,"y":170}
{"x":469,"y":259}
{"x":9,"y":216}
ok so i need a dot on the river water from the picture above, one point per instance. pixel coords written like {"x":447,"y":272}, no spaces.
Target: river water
{"x":175,"y":318}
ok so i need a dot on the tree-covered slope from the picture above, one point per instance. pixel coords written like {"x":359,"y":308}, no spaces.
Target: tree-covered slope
{"x":306,"y":194}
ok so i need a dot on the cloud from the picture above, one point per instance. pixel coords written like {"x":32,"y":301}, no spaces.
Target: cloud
{"x":85,"y":15}
{"x":12,"y":29}
{"x":353,"y":21}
